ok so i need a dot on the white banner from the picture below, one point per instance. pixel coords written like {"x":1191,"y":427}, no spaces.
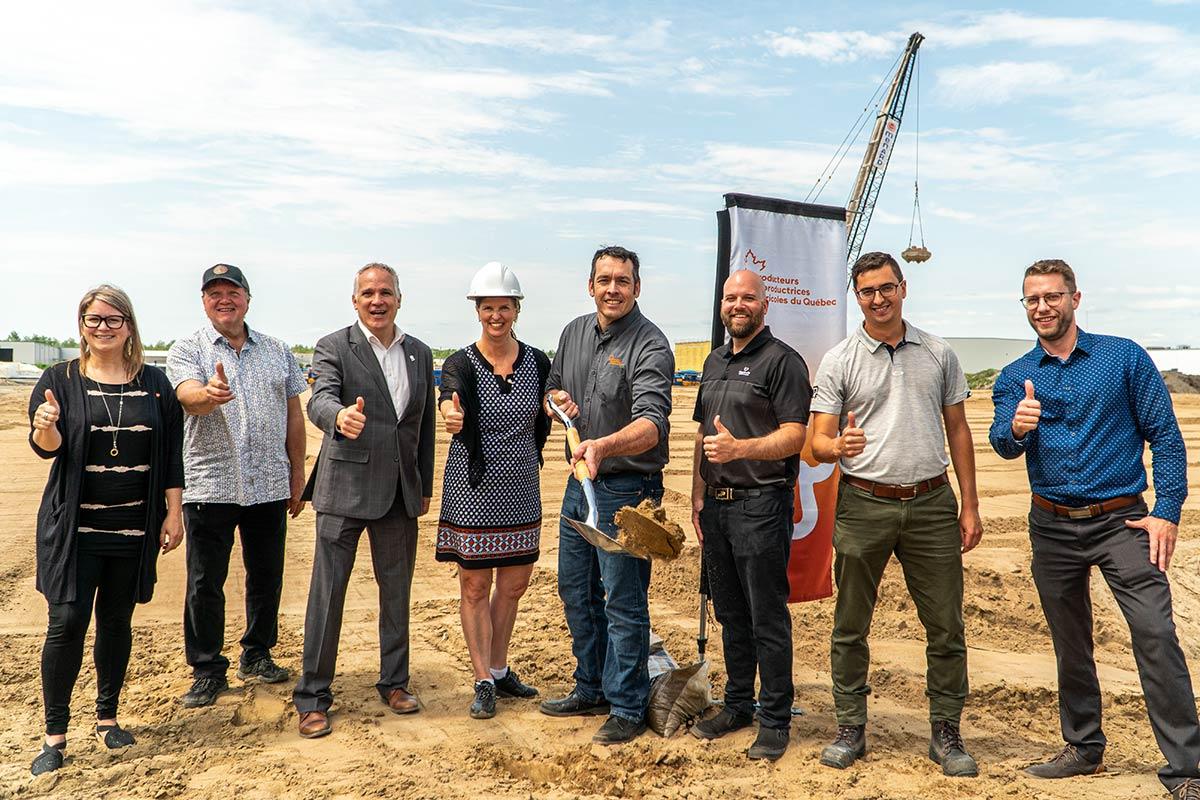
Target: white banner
{"x":802,"y":261}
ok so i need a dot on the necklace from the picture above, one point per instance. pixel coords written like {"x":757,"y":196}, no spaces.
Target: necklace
{"x":120,"y":410}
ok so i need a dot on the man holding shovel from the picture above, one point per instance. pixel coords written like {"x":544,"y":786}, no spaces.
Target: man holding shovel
{"x":1081,"y":407}
{"x":752,"y":408}
{"x":889,"y":388}
{"x":612,"y":375}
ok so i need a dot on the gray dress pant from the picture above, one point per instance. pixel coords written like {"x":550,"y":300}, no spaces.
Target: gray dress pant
{"x":1064,"y":551}
{"x":393,"y":554}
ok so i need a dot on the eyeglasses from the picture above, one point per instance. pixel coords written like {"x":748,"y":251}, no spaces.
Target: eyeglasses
{"x":1052,"y":299}
{"x":887,"y":290}
{"x":93,"y":321}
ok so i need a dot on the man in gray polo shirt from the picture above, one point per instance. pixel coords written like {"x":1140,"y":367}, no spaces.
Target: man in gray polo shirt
{"x":244,"y":463}
{"x":888,"y":387}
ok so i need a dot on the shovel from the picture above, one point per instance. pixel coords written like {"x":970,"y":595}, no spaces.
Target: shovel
{"x":587,"y":529}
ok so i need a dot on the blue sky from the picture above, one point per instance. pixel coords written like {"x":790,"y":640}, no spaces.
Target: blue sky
{"x":143,"y":142}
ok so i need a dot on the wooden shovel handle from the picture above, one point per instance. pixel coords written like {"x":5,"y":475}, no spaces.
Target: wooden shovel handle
{"x":581,"y":470}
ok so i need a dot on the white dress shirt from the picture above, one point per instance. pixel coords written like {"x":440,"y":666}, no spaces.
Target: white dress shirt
{"x":391,"y":360}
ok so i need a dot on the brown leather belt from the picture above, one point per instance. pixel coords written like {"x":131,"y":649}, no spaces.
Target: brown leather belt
{"x":904,"y":491}
{"x":1089,"y":511}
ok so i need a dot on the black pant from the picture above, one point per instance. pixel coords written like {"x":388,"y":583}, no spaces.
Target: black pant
{"x":111,"y":583}
{"x":209,"y":542}
{"x":1064,"y":551}
{"x":746,"y":548}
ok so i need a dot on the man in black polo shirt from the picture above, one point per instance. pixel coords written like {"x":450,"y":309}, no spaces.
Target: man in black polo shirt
{"x":752,"y":409}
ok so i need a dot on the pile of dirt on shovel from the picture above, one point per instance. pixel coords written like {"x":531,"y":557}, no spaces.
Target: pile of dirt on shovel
{"x":646,"y":531}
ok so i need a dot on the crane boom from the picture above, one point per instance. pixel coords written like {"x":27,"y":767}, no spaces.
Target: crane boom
{"x":879,"y":152}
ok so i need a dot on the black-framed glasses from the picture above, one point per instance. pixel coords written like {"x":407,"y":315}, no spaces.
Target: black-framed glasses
{"x":887,"y":290}
{"x":93,"y":321}
{"x":1052,"y":299}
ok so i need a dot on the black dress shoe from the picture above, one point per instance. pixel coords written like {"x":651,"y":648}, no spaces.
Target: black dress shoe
{"x":1067,"y":764}
{"x":770,"y":745}
{"x":204,"y":692}
{"x":723,"y":722}
{"x":617,"y":730}
{"x":510,"y":686}
{"x":574,"y":705}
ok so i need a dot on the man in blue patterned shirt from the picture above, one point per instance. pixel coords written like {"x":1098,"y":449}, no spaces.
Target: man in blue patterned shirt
{"x":244,"y":466}
{"x":1081,"y":407}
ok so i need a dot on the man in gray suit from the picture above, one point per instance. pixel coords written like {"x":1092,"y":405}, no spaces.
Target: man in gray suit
{"x":374,"y":400}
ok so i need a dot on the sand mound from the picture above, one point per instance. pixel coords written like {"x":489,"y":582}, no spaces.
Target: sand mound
{"x":646,"y":531}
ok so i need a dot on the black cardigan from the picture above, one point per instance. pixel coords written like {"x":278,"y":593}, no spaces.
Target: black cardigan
{"x":58,"y":517}
{"x":459,"y":376}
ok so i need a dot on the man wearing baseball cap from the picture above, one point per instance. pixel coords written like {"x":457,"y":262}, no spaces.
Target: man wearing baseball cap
{"x":244,"y":469}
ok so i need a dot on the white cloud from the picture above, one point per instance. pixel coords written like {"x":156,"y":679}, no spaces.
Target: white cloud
{"x":1041,"y":31}
{"x":1004,"y":81}
{"x":838,"y":47}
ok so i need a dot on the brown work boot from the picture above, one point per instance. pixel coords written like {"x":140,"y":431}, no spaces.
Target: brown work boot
{"x":1067,"y":764}
{"x":946,"y":748}
{"x":314,"y":724}
{"x":401,"y":702}
{"x":1188,"y":790}
{"x":848,"y":746}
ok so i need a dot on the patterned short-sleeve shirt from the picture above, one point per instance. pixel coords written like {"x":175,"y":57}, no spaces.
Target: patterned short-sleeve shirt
{"x":238,"y":453}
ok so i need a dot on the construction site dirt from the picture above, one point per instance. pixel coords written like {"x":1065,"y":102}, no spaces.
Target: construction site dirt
{"x":246,"y":744}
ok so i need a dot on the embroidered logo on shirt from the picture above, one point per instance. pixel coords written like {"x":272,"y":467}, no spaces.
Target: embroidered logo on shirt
{"x":616,"y":362}
{"x":744,"y":372}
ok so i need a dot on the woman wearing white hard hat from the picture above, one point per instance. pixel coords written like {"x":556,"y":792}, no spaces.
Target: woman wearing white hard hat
{"x":491,"y":514}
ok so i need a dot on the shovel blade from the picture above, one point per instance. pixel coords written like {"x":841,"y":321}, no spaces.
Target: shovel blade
{"x":599,"y":539}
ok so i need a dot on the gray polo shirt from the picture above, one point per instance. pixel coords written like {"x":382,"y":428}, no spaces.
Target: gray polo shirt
{"x":897,"y":396}
{"x":616,"y":376}
{"x":238,"y":453}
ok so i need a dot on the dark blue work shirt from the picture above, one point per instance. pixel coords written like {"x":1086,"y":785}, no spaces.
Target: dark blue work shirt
{"x":1099,"y":408}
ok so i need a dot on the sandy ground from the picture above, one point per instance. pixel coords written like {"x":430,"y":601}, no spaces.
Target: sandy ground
{"x":246,"y":744}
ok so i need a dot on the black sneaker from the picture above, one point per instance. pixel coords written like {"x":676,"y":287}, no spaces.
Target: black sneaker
{"x":946,"y":748}
{"x":510,"y":686}
{"x":723,"y":722}
{"x":618,"y":730}
{"x":484,"y":706}
{"x":265,"y":670}
{"x":574,"y":705}
{"x":204,"y":692}
{"x":771,"y":744}
{"x":848,"y":746}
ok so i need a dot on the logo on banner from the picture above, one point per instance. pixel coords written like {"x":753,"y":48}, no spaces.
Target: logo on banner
{"x":754,"y":261}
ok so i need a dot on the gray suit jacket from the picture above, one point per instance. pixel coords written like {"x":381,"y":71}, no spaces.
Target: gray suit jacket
{"x":360,"y":477}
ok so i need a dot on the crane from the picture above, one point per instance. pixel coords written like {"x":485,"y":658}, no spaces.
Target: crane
{"x":879,"y":151}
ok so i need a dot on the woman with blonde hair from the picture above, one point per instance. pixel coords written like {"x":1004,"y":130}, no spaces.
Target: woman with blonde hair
{"x":114,"y":430}
{"x":491,"y":517}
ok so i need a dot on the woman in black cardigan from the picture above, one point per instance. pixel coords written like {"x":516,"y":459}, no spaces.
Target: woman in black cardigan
{"x":113,"y":500}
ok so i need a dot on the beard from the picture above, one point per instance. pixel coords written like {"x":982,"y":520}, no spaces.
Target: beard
{"x":1066,"y":315}
{"x":742,"y":327}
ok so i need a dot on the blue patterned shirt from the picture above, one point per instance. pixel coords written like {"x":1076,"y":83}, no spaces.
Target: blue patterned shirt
{"x":238,"y":453}
{"x":1099,"y":408}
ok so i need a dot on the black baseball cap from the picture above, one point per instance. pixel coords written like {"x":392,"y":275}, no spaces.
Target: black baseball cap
{"x":224,"y":272}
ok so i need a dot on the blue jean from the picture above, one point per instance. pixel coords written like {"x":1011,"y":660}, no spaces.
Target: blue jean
{"x":604,"y":597}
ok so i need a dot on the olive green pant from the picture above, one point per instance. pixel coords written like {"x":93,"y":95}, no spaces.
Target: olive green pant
{"x":924,"y":535}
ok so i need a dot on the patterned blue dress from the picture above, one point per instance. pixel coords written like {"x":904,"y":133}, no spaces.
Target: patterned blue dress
{"x":498,"y":522}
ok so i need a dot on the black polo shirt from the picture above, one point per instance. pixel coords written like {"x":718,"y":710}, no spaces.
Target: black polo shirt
{"x":754,"y":392}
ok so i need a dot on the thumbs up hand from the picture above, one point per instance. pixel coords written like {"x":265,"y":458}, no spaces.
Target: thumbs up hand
{"x":217,"y":387}
{"x":722,"y":447}
{"x":853,"y":440}
{"x":351,"y":420}
{"x":1029,"y":412}
{"x":46,"y":415}
{"x":452,"y":413}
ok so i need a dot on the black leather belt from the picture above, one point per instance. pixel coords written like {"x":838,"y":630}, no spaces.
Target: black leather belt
{"x":729,"y":493}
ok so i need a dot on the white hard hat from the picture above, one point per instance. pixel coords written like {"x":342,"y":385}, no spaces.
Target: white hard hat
{"x":495,"y":280}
